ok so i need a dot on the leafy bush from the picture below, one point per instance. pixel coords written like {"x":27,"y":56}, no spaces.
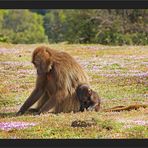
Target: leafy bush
{"x":140,"y":38}
{"x":109,"y":27}
{"x":3,"y":38}
{"x":23,"y":26}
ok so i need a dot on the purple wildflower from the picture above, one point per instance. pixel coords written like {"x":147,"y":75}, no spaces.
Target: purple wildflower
{"x":15,"y":125}
{"x":26,"y":71}
{"x":83,"y":63}
{"x":130,"y":123}
{"x":135,"y":57}
{"x":141,"y":75}
{"x":9,"y":51}
{"x":15,"y":63}
{"x":140,"y":122}
{"x":95,"y":68}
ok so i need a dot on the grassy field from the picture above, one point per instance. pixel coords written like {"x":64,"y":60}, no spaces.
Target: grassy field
{"x":118,"y":73}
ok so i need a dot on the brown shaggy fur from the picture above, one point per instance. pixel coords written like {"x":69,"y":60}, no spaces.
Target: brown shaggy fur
{"x":58,"y":76}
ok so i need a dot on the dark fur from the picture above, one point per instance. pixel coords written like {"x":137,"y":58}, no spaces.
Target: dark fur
{"x":88,"y":98}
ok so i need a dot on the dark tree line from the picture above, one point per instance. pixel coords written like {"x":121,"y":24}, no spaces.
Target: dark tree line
{"x":106,"y":26}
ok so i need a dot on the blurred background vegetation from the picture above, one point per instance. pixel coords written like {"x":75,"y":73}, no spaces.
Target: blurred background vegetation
{"x":103,"y":26}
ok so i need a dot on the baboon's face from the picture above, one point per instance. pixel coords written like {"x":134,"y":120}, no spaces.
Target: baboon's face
{"x":89,"y":99}
{"x":94,"y":102}
{"x":41,"y":63}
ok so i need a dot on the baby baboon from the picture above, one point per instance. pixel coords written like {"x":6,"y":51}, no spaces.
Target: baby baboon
{"x":88,"y":98}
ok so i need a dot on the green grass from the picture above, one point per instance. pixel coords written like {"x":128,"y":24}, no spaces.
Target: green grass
{"x":117,"y":73}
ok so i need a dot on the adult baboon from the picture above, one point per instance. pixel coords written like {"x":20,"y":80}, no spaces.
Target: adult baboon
{"x":58,"y":76}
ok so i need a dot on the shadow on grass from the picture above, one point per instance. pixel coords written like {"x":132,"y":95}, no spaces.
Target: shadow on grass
{"x":13,"y":114}
{"x":8,"y":114}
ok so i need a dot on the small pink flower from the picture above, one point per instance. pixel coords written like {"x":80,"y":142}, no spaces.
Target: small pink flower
{"x":15,"y":125}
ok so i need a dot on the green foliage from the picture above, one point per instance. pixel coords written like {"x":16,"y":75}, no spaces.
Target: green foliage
{"x":109,"y":125}
{"x":3,"y":38}
{"x":23,"y":26}
{"x":140,"y":38}
{"x":103,"y":26}
{"x":137,"y":131}
{"x":114,"y":38}
{"x":53,"y":23}
{"x":113,"y":27}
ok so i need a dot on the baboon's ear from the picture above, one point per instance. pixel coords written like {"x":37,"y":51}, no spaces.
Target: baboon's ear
{"x":47,"y":51}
